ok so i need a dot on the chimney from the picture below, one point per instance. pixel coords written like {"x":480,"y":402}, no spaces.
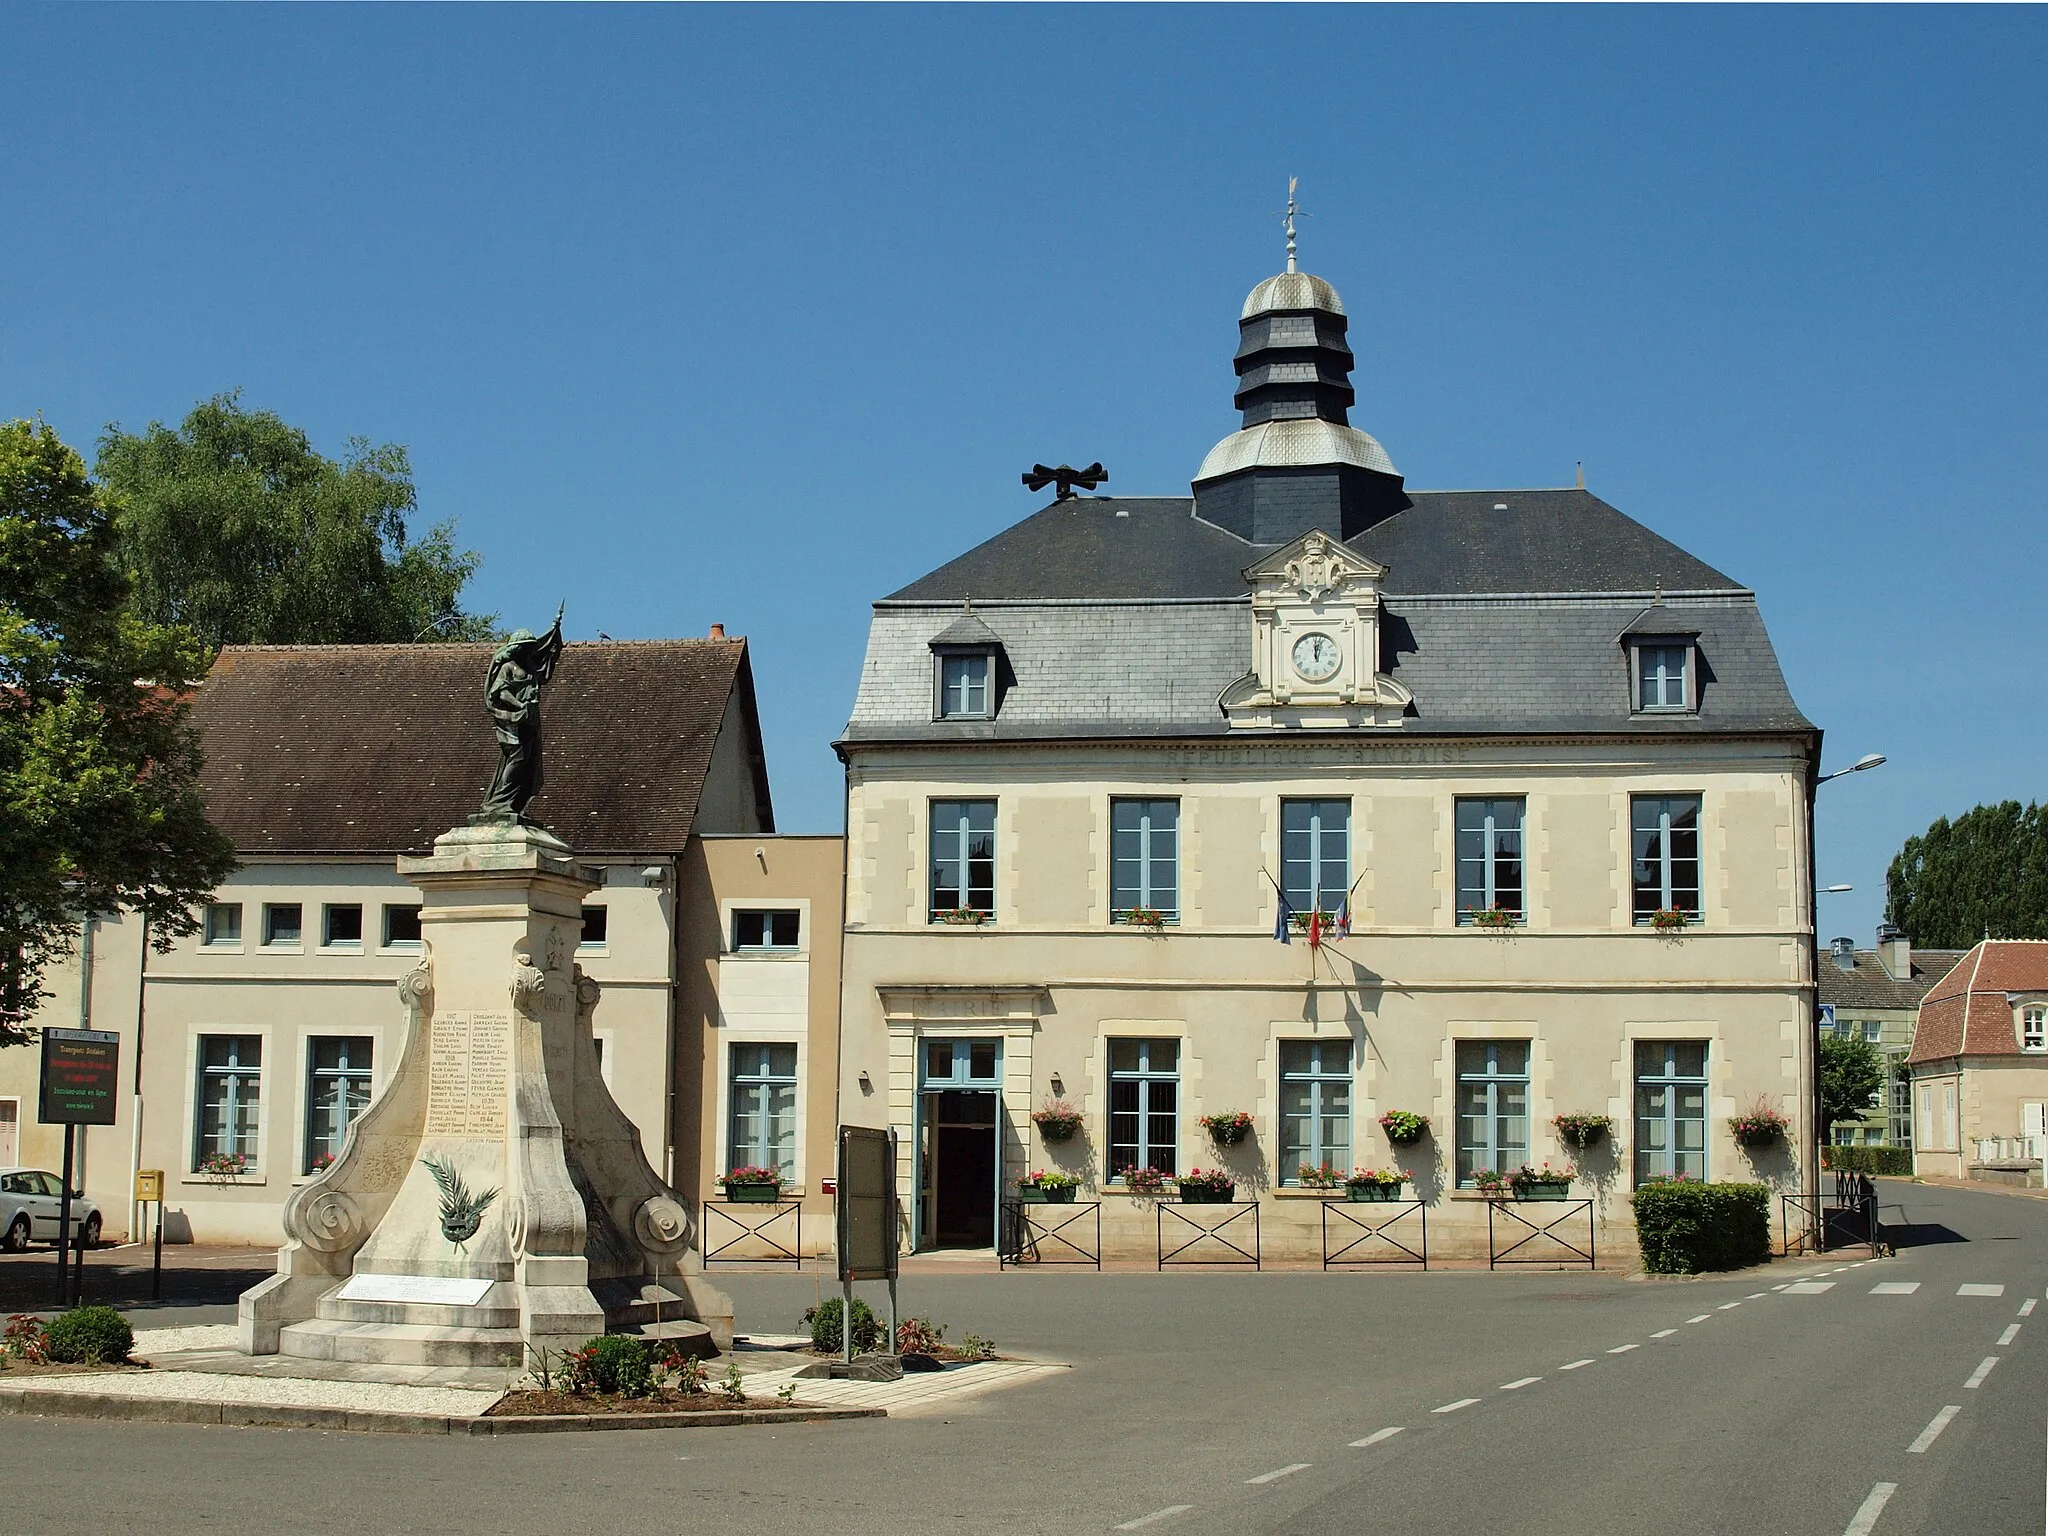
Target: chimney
{"x":1894,"y":952}
{"x":718,"y":631}
{"x":1845,"y":953}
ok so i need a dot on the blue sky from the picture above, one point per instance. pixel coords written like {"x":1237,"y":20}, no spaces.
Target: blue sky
{"x":753,"y":315}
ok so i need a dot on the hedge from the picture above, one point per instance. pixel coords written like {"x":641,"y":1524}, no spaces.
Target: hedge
{"x":1886,"y":1162}
{"x":1685,"y":1227}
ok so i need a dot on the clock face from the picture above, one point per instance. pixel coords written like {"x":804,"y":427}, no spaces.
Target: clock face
{"x":1316,"y":657}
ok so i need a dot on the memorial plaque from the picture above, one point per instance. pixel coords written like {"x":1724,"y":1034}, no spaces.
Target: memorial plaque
{"x":434,"y":1290}
{"x":468,"y":1064}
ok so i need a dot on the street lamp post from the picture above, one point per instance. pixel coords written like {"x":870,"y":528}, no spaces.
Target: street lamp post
{"x":1862,"y":764}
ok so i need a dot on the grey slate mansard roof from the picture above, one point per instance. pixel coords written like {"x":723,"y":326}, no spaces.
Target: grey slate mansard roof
{"x":1127,"y":617}
{"x":378,"y":749}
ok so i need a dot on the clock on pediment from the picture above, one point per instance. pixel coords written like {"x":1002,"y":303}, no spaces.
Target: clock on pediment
{"x":1315,"y":643}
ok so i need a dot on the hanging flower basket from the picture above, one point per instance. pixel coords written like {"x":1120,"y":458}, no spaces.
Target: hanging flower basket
{"x":1404,"y":1128}
{"x":1761,"y":1127}
{"x":1228,"y":1128}
{"x":1583,"y":1131}
{"x":1057,"y":1120}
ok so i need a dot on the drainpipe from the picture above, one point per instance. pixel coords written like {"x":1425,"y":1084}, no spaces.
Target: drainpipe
{"x":135,"y":1212}
{"x":84,"y":1012}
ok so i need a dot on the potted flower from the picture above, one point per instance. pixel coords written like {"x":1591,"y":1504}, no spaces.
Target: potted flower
{"x":1047,"y":1186}
{"x":1227,"y":1127}
{"x":1404,"y":1127}
{"x":1669,"y":919}
{"x":751,"y":1186}
{"x":1318,"y":1176}
{"x":1490,"y":1183}
{"x":1545,"y":1183}
{"x":223,"y":1167}
{"x":1583,"y":1131}
{"x":1374,"y":1184}
{"x":1495,"y":916}
{"x":1057,"y":1120}
{"x":1207,"y":1187}
{"x":1761,"y":1127}
{"x":1142,"y":917}
{"x":1144,"y":1181}
{"x":963,"y":917}
{"x":322,"y":1163}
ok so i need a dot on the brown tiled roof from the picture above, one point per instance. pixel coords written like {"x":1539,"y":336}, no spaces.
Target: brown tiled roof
{"x":1967,"y":1013}
{"x":1870,"y":985}
{"x":381,"y":748}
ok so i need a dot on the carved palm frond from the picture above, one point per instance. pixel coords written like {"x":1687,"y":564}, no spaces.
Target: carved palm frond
{"x":461,"y":1212}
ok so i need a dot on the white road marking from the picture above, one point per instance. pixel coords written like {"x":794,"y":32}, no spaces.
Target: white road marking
{"x":2012,"y":1331}
{"x":1378,"y":1435}
{"x":1933,"y":1430}
{"x":1727,"y":1306}
{"x":1866,"y":1517}
{"x":1895,"y":1288}
{"x":1622,"y":1349}
{"x":1155,"y":1517}
{"x":1516,"y":1386}
{"x":1574,"y":1365}
{"x":1977,"y":1376}
{"x":1663,"y":1333}
{"x":1778,"y":1287}
{"x":1980,"y":1290}
{"x":1278,"y":1473}
{"x":1702,"y":1318}
{"x":1756,"y":1295}
{"x":2027,"y":1307}
{"x":1809,"y":1287}
{"x":1463,"y":1402}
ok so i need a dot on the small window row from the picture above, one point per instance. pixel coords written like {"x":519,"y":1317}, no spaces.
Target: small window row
{"x":1316,"y":873}
{"x":341,"y":925}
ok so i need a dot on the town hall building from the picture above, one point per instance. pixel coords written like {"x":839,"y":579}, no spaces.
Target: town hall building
{"x":1527,"y":772}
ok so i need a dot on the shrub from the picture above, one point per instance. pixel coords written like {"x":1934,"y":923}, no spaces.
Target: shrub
{"x":25,"y":1338}
{"x":827,"y":1325}
{"x":1685,"y":1227}
{"x":1890,"y":1162}
{"x":919,"y":1336}
{"x":610,"y":1363}
{"x":91,"y":1336}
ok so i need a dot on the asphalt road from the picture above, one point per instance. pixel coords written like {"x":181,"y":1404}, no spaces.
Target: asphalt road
{"x":1535,"y":1402}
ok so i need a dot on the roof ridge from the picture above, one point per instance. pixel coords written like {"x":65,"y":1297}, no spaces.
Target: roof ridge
{"x":429,"y":646}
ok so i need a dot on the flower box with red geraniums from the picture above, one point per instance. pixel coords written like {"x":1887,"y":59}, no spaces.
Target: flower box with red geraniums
{"x":1047,"y":1186}
{"x":1544,"y":1183}
{"x":1374,"y":1184}
{"x":1143,"y":1181}
{"x":1200,"y":1186}
{"x":751,"y":1186}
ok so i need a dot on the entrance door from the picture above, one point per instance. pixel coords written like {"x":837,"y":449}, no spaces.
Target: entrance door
{"x":960,"y":1147}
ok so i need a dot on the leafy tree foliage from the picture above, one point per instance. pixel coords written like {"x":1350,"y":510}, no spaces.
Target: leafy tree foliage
{"x":1851,"y":1073}
{"x":1986,"y":872}
{"x":99,"y":798}
{"x":233,"y":526}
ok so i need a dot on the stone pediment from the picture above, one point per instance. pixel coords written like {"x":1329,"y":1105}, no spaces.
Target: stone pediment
{"x":1315,"y":643}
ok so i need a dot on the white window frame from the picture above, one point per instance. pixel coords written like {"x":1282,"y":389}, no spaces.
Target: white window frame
{"x":208,"y":938}
{"x":283,"y":946}
{"x":942,"y":689}
{"x":958,"y":831}
{"x":1640,"y":676}
{"x":352,"y":946}
{"x":1319,"y":885}
{"x":1667,"y":891}
{"x":385,"y":941}
{"x":2034,"y":1028}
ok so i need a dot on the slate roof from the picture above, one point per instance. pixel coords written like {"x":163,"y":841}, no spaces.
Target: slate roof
{"x":1870,"y":986}
{"x":1967,"y":1013}
{"x":378,"y":749}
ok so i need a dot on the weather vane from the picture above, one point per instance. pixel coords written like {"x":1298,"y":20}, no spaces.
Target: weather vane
{"x":1038,"y":477}
{"x":1292,"y":210}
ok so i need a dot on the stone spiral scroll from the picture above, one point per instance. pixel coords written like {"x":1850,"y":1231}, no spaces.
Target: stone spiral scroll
{"x":323,"y":1218}
{"x":661,"y":1225}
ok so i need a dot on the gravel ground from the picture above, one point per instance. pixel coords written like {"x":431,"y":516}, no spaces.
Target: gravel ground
{"x":161,"y":1341}
{"x":196,"y":1386}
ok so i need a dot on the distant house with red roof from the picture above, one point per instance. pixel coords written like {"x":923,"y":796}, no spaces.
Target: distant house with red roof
{"x":1980,"y":1066}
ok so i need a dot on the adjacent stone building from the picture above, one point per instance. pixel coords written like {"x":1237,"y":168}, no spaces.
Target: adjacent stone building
{"x":1873,"y":995}
{"x":1980,"y":1066}
{"x":1529,"y":769}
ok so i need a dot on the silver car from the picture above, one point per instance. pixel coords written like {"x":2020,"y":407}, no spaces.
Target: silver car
{"x":30,"y":1202}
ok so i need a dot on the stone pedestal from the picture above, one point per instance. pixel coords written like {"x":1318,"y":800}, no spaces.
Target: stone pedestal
{"x":494,"y":1200}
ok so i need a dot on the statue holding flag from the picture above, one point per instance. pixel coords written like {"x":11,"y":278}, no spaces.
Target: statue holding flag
{"x":512,"y":687}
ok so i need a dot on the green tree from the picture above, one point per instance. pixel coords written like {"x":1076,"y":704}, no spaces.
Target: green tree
{"x":1851,"y":1073}
{"x":99,"y":795}
{"x":234,"y":527}
{"x":1986,"y":872}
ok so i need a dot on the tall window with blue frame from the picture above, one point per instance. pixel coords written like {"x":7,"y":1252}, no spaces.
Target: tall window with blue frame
{"x":1667,"y":855}
{"x":1315,"y":1107}
{"x":763,"y":1108}
{"x":1144,"y":1106}
{"x":1315,"y":854}
{"x":963,"y":857}
{"x":1671,"y":1109}
{"x":337,"y":1090}
{"x":1145,"y":857}
{"x":1490,"y":860}
{"x":1493,"y":1107}
{"x":230,"y":1099}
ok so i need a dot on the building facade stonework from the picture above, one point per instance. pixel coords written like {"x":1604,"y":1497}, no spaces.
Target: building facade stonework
{"x":1527,"y":772}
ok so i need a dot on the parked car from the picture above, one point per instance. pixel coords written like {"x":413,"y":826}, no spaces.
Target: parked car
{"x":31,"y":1200}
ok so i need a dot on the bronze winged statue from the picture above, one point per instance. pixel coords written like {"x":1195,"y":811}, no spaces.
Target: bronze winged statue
{"x":519,"y":668}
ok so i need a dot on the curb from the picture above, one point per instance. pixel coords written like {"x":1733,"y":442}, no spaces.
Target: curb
{"x":42,"y":1402}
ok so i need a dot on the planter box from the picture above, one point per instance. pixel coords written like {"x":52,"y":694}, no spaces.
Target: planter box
{"x":1207,"y":1197}
{"x":1031,"y":1194}
{"x":1371,"y":1192}
{"x":752,"y":1194}
{"x":1544,"y":1189}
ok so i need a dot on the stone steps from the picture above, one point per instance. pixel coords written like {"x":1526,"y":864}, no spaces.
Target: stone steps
{"x":368,"y":1343}
{"x":334,"y":1309}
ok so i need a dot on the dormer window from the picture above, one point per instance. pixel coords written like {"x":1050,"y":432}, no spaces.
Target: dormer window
{"x":1665,"y":673}
{"x":2034,"y":1027}
{"x":964,"y":685}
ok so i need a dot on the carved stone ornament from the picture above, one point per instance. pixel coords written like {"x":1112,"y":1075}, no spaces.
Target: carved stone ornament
{"x":323,"y":1219}
{"x":528,"y":983}
{"x":587,"y":991}
{"x":1313,"y":573}
{"x":416,"y":986}
{"x":661,"y":1225}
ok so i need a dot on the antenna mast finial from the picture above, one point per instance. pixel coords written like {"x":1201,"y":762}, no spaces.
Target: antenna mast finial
{"x":1292,"y":182}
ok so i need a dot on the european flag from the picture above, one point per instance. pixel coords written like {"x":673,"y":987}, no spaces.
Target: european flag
{"x":1283,"y":926}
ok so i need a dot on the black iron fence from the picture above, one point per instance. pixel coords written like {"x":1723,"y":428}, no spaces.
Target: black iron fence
{"x":1050,"y":1233}
{"x":1199,"y":1240}
{"x":1512,"y":1238}
{"x":773,"y":1235}
{"x":1375,"y":1232}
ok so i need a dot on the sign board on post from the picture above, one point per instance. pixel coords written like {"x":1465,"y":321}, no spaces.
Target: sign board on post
{"x":866,"y":1204}
{"x":81,"y":1069}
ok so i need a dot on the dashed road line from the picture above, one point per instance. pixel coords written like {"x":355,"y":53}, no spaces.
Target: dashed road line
{"x":1463,"y":1402}
{"x":1516,"y":1386}
{"x":1663,"y":1333}
{"x":1977,"y":1376}
{"x":1622,"y":1349}
{"x":1728,"y":1306}
{"x":1378,"y":1435}
{"x":1933,"y":1430}
{"x":2012,"y":1331}
{"x":1895,"y":1288}
{"x":1574,"y":1365}
{"x":1756,"y":1295}
{"x":1866,"y":1517}
{"x":1780,"y":1287}
{"x":1155,"y":1517}
{"x":2027,"y":1307}
{"x":1702,"y":1318}
{"x":1980,"y":1290}
{"x":1279,"y":1472}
